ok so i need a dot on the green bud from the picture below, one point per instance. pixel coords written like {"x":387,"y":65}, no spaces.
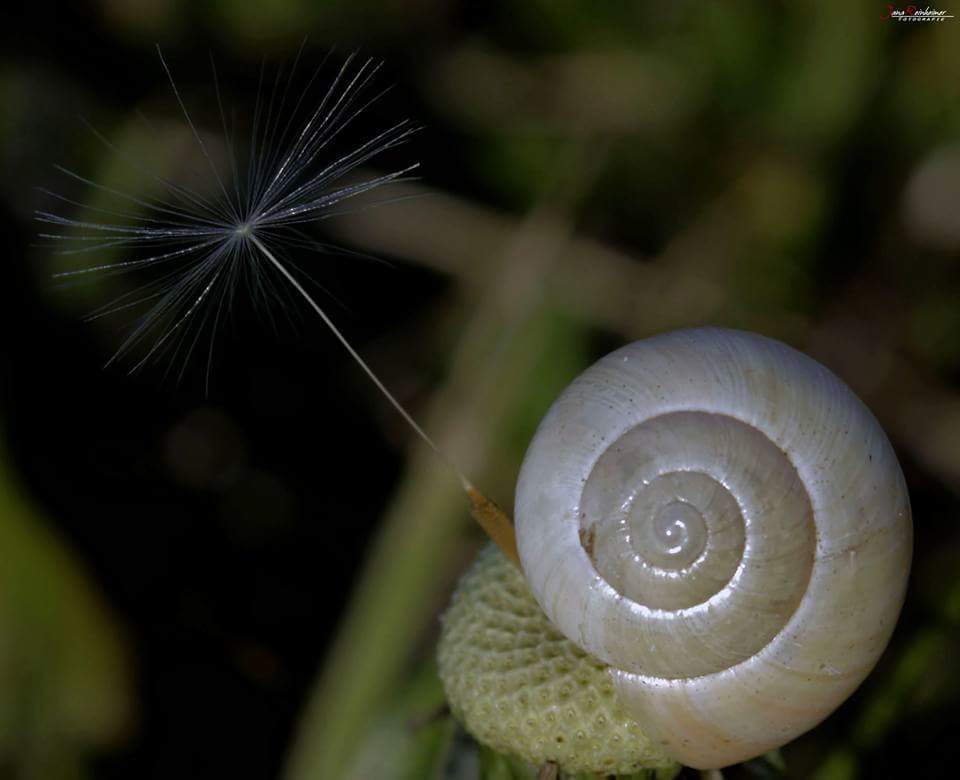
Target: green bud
{"x":520,"y":688}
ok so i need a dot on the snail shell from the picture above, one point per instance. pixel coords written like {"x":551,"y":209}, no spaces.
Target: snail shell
{"x":722,"y":521}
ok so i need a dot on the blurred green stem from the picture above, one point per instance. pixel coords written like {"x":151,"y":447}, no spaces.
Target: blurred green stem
{"x":397,"y":594}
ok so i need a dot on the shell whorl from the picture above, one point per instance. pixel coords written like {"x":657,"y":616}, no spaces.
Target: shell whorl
{"x":717,"y":517}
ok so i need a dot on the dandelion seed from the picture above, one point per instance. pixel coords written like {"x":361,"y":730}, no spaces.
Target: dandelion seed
{"x":205,"y":243}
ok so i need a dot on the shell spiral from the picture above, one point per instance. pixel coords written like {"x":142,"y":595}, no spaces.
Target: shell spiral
{"x":722,"y":521}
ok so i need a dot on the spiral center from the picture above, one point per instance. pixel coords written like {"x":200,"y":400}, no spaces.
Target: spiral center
{"x":670,"y":540}
{"x":671,"y":513}
{"x":673,"y":538}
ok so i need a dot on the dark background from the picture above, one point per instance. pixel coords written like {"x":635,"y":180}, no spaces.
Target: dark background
{"x":181,"y":556}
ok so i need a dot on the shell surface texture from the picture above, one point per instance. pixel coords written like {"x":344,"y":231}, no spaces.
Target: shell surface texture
{"x":720,"y":520}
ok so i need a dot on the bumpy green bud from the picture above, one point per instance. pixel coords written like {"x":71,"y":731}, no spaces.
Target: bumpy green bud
{"x":521,"y":688}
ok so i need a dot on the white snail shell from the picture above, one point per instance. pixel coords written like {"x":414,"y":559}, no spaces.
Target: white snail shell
{"x":722,"y":521}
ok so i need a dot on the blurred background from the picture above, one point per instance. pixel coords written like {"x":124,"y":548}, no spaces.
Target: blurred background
{"x":244,"y":580}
